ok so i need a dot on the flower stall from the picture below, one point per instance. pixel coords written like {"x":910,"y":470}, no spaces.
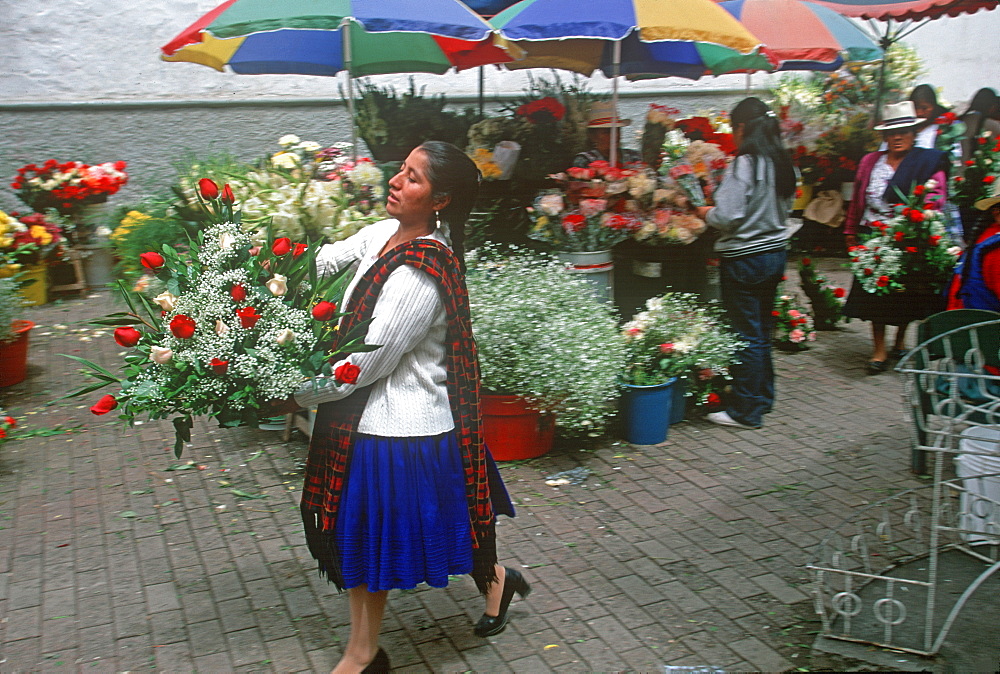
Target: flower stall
{"x":28,"y":243}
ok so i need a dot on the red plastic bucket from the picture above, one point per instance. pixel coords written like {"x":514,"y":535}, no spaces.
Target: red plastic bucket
{"x":14,"y":355}
{"x":515,"y":431}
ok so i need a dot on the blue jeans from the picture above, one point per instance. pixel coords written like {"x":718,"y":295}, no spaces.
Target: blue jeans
{"x":748,"y":288}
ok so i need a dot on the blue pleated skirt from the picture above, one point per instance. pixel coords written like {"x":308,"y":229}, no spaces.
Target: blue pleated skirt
{"x":403,"y":517}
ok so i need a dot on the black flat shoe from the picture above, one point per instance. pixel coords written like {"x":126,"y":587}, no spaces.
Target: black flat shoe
{"x":379,"y":664}
{"x":489,"y":625}
{"x":899,"y":354}
{"x":876,"y":367}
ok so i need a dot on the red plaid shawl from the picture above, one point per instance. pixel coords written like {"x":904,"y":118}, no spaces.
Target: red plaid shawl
{"x":333,"y":434}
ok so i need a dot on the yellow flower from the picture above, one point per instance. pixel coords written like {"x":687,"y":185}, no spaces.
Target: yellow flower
{"x":131,"y":220}
{"x":41,"y":234}
{"x":490,"y":171}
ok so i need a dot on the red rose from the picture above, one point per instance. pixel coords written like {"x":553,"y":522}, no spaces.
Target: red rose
{"x":911,"y":249}
{"x":219,"y":366}
{"x":775,"y":313}
{"x":916,"y":216}
{"x":868,"y":271}
{"x":713,"y":400}
{"x":898,"y":236}
{"x":209,"y":190}
{"x":281,"y":246}
{"x":182,"y":326}
{"x":238,"y":292}
{"x":919,"y":190}
{"x":127,"y":336}
{"x":227,"y":194}
{"x":882,"y":281}
{"x":10,"y":421}
{"x":839,"y":292}
{"x":151,"y":261}
{"x":934,"y":240}
{"x":806,"y":262}
{"x":324,"y":311}
{"x":347,"y":373}
{"x":574,"y":222}
{"x":248,"y":317}
{"x":989,"y":180}
{"x":104,"y":405}
{"x":298,"y":249}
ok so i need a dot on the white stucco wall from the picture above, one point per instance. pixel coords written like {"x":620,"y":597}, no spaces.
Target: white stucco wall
{"x":58,"y":53}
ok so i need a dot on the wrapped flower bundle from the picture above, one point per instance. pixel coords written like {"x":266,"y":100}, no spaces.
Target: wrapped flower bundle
{"x":238,"y":327}
{"x":912,"y":251}
{"x":793,"y":324}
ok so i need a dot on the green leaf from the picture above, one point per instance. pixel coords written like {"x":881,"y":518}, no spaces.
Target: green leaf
{"x":242,"y":494}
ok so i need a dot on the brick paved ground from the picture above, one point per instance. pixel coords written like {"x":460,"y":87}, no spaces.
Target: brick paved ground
{"x":687,"y":553}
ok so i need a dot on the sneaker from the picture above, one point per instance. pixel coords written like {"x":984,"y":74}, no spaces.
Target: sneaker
{"x":723,"y":419}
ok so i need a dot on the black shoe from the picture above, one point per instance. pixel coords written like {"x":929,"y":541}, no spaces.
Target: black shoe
{"x":379,"y":664}
{"x":898,"y":354}
{"x":489,"y":625}
{"x":876,"y":367}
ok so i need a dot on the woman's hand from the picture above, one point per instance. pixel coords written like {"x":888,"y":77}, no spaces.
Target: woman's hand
{"x":702,"y":211}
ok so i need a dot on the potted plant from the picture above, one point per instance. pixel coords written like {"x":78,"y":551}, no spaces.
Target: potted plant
{"x":13,"y":333}
{"x":552,"y":356}
{"x":676,"y":339}
{"x":392,"y":124}
{"x":27,"y":244}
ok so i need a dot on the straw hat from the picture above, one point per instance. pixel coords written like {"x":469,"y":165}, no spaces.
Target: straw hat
{"x":988,"y":203}
{"x":898,"y":116}
{"x":603,"y":116}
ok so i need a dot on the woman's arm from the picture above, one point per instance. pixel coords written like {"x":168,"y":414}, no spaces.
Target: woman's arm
{"x":732,"y":197}
{"x":404,"y":313}
{"x":333,"y":257}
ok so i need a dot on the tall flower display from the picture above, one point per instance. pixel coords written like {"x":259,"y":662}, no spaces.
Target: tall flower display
{"x":237,"y":326}
{"x":66,"y":186}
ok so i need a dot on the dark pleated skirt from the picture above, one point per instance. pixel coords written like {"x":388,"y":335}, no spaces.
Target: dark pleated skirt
{"x":404,"y":518}
{"x":892,"y":309}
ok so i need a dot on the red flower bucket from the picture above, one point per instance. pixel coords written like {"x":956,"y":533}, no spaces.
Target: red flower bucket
{"x":14,"y":355}
{"x":515,"y":431}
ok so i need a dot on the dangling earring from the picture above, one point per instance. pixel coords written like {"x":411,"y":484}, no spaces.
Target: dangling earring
{"x":437,"y":219}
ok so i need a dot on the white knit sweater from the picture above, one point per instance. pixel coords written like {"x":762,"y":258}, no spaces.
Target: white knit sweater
{"x":409,"y":393}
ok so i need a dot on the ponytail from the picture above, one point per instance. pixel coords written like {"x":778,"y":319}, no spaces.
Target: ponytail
{"x":762,"y":138}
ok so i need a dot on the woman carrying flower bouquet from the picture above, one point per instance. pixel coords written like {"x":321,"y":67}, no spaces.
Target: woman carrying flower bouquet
{"x":885,"y":179}
{"x":399,"y":488}
{"x":751,"y":205}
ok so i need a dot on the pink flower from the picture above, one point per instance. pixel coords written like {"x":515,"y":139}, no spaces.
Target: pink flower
{"x":589,"y":207}
{"x":666,"y":349}
{"x":796,"y":335}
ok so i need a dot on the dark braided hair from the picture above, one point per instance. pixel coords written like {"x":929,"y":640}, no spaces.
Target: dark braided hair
{"x":452,"y":174}
{"x":762,"y":138}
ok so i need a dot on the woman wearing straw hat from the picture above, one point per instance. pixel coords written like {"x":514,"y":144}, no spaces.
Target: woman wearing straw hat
{"x":601,"y":119}
{"x":976,"y":284}
{"x":885,"y":178}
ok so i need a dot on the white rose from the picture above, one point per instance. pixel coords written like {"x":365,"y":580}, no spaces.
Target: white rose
{"x":551,"y":204}
{"x":290,"y":139}
{"x":221,"y":328}
{"x":309,"y":146}
{"x":161,"y":355}
{"x":226,"y":241}
{"x":286,"y":336}
{"x":278,"y":285}
{"x":955,"y":250}
{"x":167,"y":301}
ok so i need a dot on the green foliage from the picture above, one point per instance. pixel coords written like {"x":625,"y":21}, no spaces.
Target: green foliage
{"x":144,"y":227}
{"x":10,"y":306}
{"x":386,"y":118}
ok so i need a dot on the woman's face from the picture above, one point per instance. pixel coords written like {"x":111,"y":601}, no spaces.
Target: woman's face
{"x":411,"y":195}
{"x":899,"y":141}
{"x":924,"y":109}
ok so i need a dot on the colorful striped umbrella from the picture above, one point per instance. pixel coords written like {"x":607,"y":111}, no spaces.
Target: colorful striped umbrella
{"x":637,"y":38}
{"x":326,"y":37}
{"x":804,"y":35}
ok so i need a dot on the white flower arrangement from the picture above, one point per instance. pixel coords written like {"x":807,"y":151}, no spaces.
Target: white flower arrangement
{"x":560,"y":349}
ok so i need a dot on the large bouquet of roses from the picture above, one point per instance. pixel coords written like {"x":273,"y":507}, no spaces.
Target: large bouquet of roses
{"x":697,"y":171}
{"x":595,"y":208}
{"x":237,"y":327}
{"x":68,"y":185}
{"x":912,"y":251}
{"x":677,"y":335}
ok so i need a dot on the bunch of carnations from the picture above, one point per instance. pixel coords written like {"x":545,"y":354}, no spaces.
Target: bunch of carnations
{"x":912,"y":251}
{"x":594,"y":208}
{"x":28,"y":239}
{"x":827,"y":300}
{"x":66,"y":186}
{"x":793,"y":324}
{"x":238,"y":326}
{"x":677,"y":335}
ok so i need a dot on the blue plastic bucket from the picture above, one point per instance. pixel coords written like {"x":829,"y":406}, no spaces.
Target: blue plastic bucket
{"x":646,"y":412}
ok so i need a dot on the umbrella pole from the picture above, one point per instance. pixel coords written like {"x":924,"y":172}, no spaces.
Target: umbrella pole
{"x":482,"y":78}
{"x":885,"y":43}
{"x":345,"y":27}
{"x":615,"y":72}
